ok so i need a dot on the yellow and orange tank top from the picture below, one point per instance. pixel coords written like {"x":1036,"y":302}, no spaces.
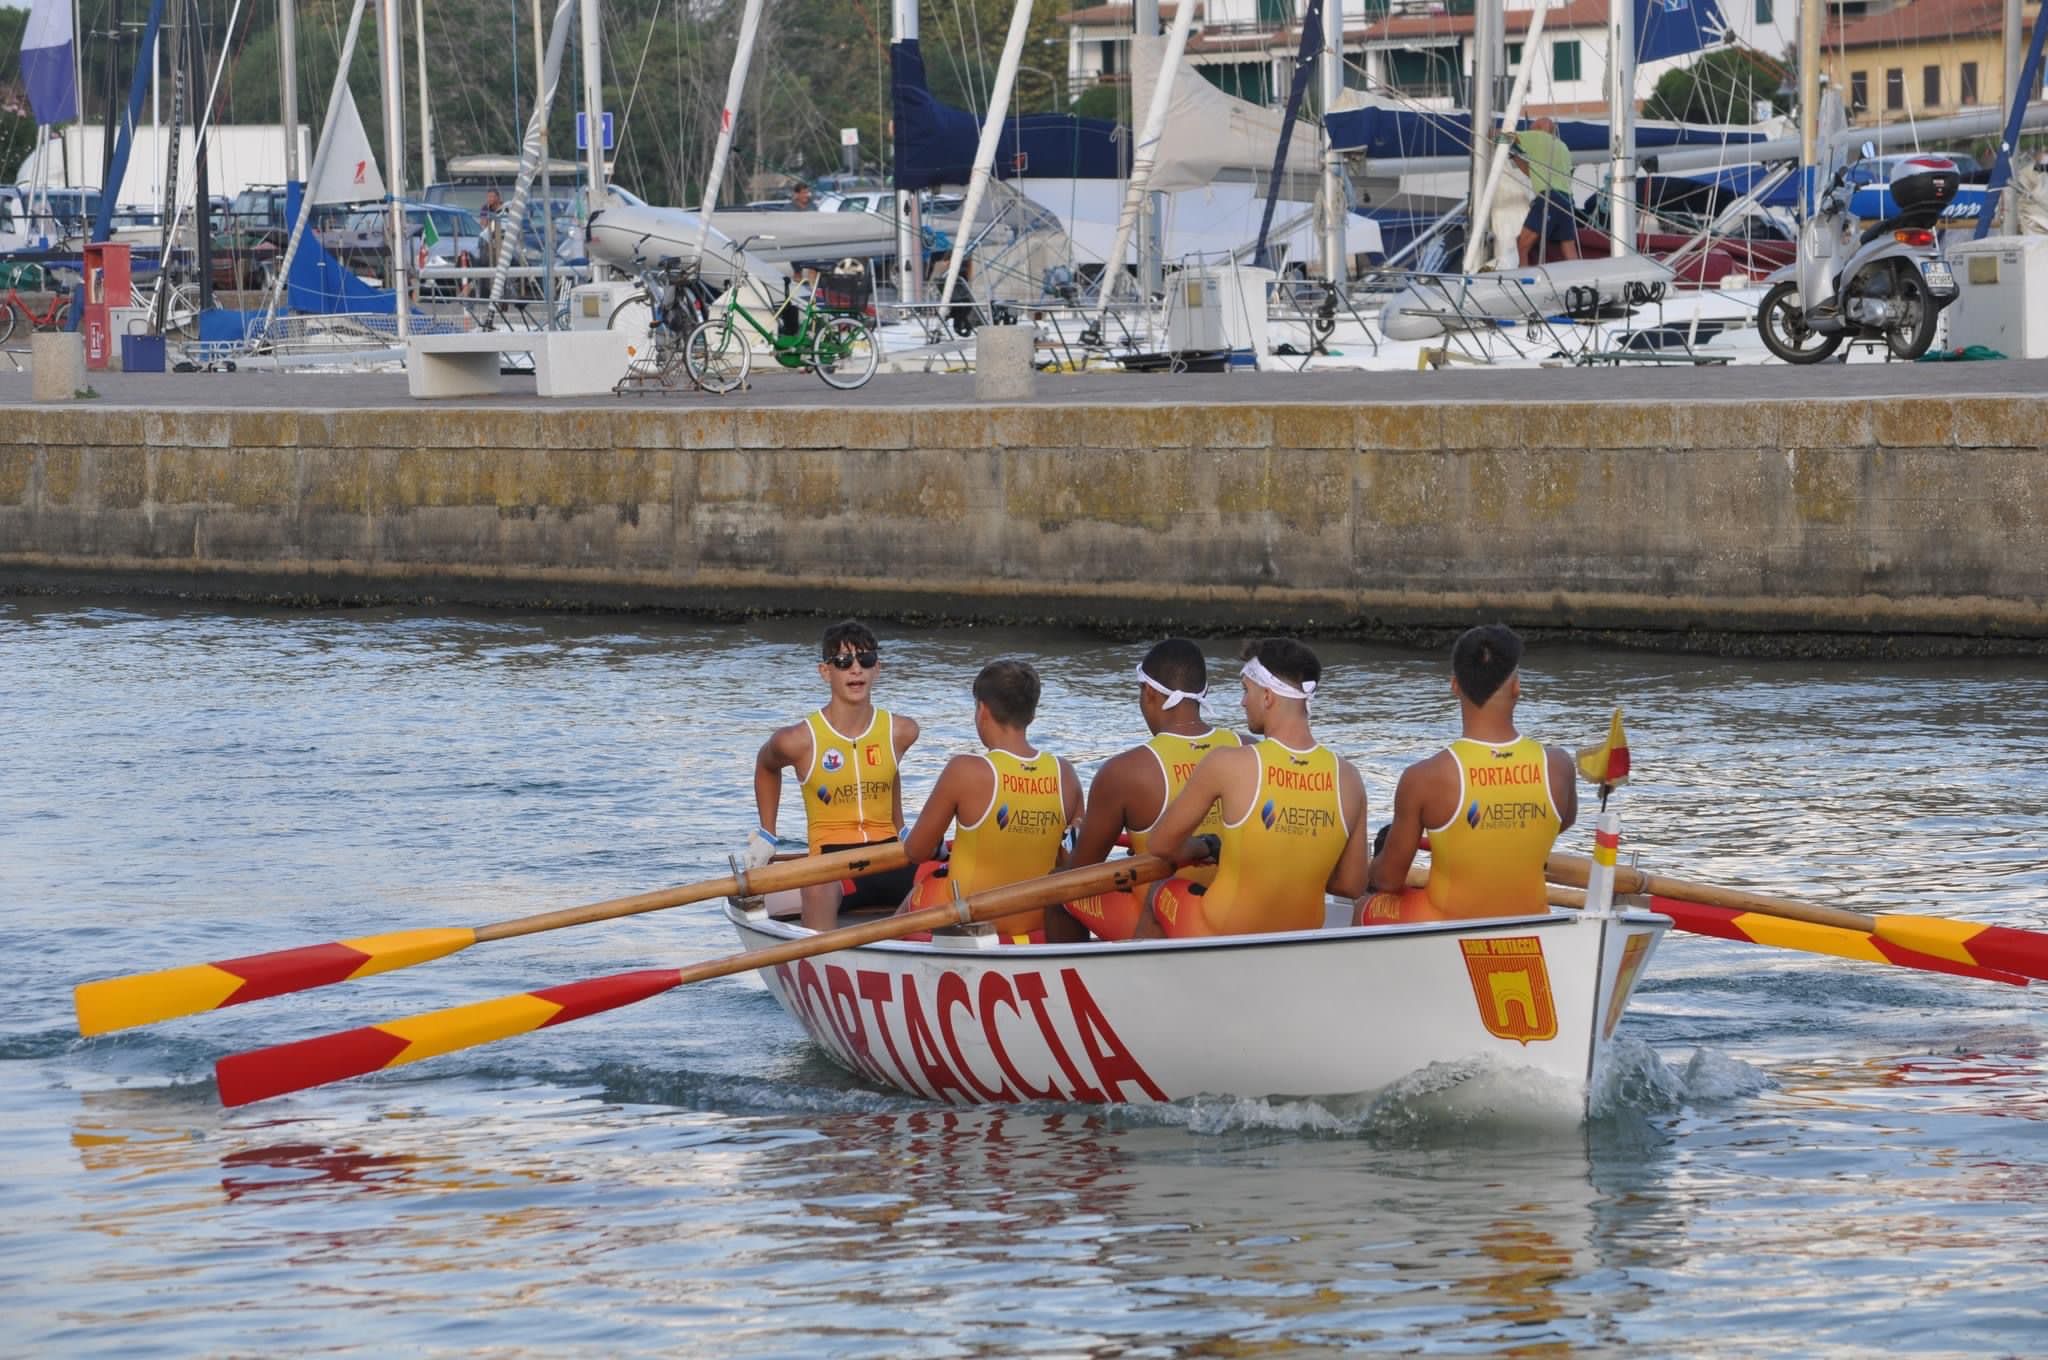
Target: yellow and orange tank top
{"x":1177,"y":756}
{"x":1018,"y":837}
{"x":1278,"y":857}
{"x":850,"y":789}
{"x":1487,"y":860}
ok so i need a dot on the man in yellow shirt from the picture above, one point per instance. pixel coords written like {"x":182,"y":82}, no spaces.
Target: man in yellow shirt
{"x":1131,"y":790}
{"x":1013,"y":803}
{"x":1550,"y":230}
{"x":846,"y":755}
{"x":1492,"y":803}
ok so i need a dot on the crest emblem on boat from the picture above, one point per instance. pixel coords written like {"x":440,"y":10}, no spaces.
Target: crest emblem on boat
{"x":1512,"y":987}
{"x":832,"y":761}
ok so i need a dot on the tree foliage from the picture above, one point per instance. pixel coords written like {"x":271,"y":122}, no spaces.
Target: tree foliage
{"x":819,"y":66}
{"x":1724,"y":86}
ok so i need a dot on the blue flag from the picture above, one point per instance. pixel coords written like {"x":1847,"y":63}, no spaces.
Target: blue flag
{"x":46,"y":67}
{"x":1671,"y":28}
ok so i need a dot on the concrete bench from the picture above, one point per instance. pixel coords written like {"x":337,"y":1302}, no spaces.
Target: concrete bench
{"x":565,"y":363}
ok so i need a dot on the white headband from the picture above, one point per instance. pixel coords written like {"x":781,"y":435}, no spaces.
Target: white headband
{"x":1173,"y":696}
{"x":1256,"y":672}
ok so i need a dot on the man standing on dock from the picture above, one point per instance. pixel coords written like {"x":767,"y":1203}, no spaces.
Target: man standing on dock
{"x":1131,"y":791}
{"x":1013,"y":803}
{"x":1492,"y":803}
{"x":848,"y":752}
{"x":1293,"y":816}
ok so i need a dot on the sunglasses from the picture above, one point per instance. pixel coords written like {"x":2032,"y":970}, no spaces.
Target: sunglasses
{"x":848,"y":660}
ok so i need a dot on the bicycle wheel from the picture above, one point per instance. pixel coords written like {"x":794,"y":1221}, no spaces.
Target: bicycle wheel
{"x":181,"y":314}
{"x":8,"y":313}
{"x":717,"y":356}
{"x":635,"y":316}
{"x":60,"y":317}
{"x":846,"y":355}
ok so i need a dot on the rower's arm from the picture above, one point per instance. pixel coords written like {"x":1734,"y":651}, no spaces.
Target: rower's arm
{"x":1104,"y":820}
{"x":1354,"y":866}
{"x":1202,"y":791}
{"x":778,"y":753}
{"x":904,"y":731}
{"x":1564,"y":788}
{"x":937,"y":815}
{"x":1389,"y":869}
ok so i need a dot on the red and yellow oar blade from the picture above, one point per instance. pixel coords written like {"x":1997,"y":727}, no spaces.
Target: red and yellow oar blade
{"x":145,"y":998}
{"x":265,"y":1072}
{"x":1727,"y":923}
{"x":1969,"y":943}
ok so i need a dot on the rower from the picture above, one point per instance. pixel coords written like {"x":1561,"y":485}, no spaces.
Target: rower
{"x":1293,"y":816}
{"x":1012,"y":802}
{"x":848,"y":753}
{"x":1493,"y":803}
{"x":1131,"y":790}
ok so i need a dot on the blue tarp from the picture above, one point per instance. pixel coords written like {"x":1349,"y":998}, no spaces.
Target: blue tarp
{"x":935,"y":142}
{"x":1391,"y":134}
{"x":1670,"y":28}
{"x":320,"y":284}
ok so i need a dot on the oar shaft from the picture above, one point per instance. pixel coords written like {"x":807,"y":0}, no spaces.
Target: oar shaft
{"x":777,"y":877}
{"x":1577,"y":870}
{"x":261,"y":1073}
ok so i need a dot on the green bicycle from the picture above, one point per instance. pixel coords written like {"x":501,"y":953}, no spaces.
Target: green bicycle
{"x":719,"y":353}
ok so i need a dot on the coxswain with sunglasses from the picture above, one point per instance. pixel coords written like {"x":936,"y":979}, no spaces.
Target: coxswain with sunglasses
{"x":1293,"y":816}
{"x":1131,"y":790}
{"x":846,"y":756}
{"x":1492,"y":803}
{"x":1012,"y":801}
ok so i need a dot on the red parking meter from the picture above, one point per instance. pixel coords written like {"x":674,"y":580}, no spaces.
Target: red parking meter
{"x":107,"y":286}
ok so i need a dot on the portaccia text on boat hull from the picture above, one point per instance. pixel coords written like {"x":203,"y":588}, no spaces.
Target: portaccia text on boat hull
{"x":1307,"y":1013}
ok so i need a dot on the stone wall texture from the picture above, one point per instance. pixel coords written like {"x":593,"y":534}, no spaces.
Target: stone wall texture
{"x":1907,"y":517}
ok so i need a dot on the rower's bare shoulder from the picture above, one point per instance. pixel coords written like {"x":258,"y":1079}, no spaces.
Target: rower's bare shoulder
{"x":904,"y":732}
{"x":790,"y":745}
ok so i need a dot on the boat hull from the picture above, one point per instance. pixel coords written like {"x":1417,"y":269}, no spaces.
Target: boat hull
{"x":1309,"y":1013}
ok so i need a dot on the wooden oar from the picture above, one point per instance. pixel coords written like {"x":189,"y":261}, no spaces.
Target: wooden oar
{"x":265,"y":1072}
{"x":145,"y":998}
{"x":1728,"y":923}
{"x":1995,"y":948}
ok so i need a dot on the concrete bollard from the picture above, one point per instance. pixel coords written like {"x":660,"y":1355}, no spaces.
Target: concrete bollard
{"x":57,"y":365}
{"x":1002,"y":362}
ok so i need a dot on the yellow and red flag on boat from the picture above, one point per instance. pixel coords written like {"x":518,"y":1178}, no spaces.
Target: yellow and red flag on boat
{"x":1607,"y":763}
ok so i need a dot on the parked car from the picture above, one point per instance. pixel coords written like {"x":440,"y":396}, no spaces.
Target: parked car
{"x":361,"y":241}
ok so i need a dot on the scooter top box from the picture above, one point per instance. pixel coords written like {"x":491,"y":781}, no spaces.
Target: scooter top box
{"x":1925,"y":182}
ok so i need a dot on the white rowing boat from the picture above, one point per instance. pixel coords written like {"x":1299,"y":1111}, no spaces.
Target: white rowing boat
{"x":1305,"y":1013}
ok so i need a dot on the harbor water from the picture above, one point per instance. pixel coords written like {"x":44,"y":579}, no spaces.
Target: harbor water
{"x":1798,"y":1154}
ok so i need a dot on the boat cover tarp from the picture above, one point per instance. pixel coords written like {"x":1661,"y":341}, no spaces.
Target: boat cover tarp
{"x":1386,"y":132}
{"x":935,"y":143}
{"x":323,"y":286}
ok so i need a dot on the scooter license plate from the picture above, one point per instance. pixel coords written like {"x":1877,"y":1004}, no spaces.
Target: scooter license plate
{"x":1938,"y":277}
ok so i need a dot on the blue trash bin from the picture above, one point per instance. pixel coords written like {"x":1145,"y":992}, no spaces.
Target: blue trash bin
{"x":142,"y":353}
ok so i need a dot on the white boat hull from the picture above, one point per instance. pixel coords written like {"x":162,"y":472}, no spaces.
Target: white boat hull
{"x":1308,"y":1013}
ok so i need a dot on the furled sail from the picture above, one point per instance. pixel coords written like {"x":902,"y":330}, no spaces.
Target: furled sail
{"x":1211,"y":135}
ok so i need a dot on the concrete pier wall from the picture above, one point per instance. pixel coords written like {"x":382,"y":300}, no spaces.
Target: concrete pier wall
{"x":1912,"y":516}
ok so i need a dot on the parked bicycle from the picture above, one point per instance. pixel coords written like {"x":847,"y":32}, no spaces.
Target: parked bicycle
{"x":673,"y":299}
{"x":800,"y":335}
{"x":13,"y":307}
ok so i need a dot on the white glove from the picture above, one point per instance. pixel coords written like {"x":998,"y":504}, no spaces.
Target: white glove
{"x":759,"y":849}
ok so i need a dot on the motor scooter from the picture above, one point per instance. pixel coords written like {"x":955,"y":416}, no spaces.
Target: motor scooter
{"x":1885,"y":282}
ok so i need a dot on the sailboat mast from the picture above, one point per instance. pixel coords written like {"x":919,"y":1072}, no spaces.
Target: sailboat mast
{"x":728,"y":120}
{"x":1489,"y":30}
{"x":288,"y":85}
{"x":593,"y":118}
{"x":419,"y":11}
{"x":2014,"y":22}
{"x":1621,"y":126}
{"x":1336,"y":207}
{"x":1812,"y":14}
{"x":391,"y":63}
{"x":909,"y":209}
{"x":991,"y":136}
{"x":1151,"y":233}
